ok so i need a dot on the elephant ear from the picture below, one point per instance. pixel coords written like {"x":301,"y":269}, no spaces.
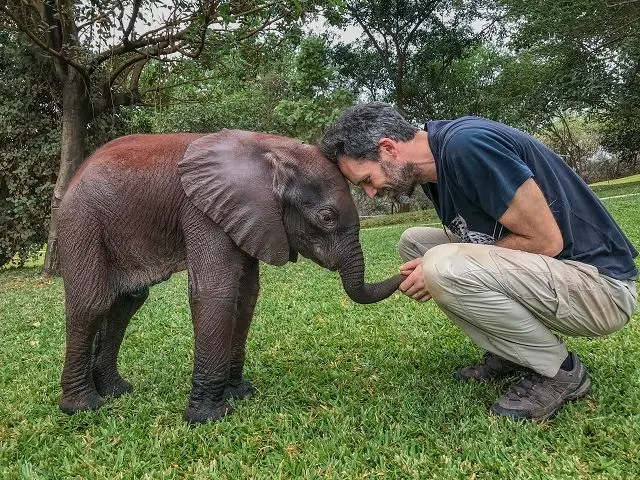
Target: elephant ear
{"x":229,"y":176}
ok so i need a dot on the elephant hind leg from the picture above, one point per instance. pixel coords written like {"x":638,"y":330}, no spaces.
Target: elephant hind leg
{"x":107,"y":341}
{"x":84,"y":316}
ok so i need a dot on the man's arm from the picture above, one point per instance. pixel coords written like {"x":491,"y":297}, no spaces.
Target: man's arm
{"x":533,"y":227}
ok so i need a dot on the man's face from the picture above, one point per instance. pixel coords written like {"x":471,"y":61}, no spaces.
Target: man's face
{"x":402,"y":180}
{"x":385,"y":178}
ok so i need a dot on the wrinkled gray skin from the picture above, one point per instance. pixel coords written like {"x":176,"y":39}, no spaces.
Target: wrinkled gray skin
{"x":146,"y":206}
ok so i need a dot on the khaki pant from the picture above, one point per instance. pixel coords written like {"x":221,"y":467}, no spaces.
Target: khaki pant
{"x":510,"y":302}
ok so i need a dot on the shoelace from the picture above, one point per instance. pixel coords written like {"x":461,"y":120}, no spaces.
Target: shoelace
{"x":525,"y":385}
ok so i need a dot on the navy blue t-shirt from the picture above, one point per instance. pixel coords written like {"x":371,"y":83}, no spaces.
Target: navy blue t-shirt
{"x":480,"y":164}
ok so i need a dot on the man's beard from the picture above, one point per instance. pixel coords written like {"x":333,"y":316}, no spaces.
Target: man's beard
{"x":402,"y":180}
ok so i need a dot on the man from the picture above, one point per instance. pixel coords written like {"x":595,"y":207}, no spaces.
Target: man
{"x":527,"y":249}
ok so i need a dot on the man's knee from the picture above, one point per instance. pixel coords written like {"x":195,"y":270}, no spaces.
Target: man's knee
{"x":409,"y":246}
{"x":437,"y":266}
{"x":415,"y":241}
{"x":454,"y":267}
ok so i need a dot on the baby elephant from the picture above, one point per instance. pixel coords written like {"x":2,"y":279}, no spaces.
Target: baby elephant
{"x":145,"y":206}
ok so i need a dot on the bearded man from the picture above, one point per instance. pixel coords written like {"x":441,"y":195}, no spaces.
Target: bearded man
{"x":526,"y":252}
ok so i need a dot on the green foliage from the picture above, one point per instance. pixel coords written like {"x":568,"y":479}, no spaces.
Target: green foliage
{"x":480,"y":82}
{"x":546,"y":63}
{"x":313,"y":103}
{"x":343,"y":391}
{"x":306,"y":119}
{"x":621,"y":131}
{"x":577,"y":140}
{"x":271,"y":84}
{"x":312,"y":72}
{"x":29,"y":148}
{"x":359,"y":70}
{"x":589,"y":51}
{"x":30,"y":130}
{"x":405,"y":50}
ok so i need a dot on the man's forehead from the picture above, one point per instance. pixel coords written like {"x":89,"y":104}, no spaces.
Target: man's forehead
{"x":355,"y":170}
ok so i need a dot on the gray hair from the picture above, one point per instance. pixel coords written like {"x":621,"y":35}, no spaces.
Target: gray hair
{"x":357,"y":131}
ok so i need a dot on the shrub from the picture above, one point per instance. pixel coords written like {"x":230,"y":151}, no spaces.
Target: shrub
{"x":29,"y":148}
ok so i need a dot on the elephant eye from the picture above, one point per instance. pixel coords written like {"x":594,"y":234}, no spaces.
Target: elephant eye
{"x":327,"y":217}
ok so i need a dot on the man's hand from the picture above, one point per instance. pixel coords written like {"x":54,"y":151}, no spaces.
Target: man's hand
{"x":413,"y":286}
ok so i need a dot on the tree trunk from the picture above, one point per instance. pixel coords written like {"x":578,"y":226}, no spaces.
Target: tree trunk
{"x":75,"y":99}
{"x":399,"y":87}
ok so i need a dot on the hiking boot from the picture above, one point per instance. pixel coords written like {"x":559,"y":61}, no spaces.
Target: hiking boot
{"x":539,"y":398}
{"x":492,"y":366}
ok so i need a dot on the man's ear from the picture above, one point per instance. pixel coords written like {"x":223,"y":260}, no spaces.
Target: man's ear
{"x":388,"y":146}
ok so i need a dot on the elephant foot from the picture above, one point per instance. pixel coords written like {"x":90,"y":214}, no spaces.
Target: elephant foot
{"x":71,"y":404}
{"x":206,"y":412}
{"x":241,"y":390}
{"x":207,"y":402}
{"x":111,"y":386}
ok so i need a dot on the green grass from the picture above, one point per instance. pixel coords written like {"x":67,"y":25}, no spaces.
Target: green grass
{"x":418,"y":217}
{"x":615,"y":189}
{"x":631,"y":178}
{"x":343,"y":391}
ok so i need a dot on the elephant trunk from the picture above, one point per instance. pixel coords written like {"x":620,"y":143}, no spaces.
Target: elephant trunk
{"x":352,"y":275}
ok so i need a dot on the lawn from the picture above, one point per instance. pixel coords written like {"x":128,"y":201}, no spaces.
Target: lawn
{"x":343,"y":390}
{"x":631,"y":188}
{"x":631,"y":178}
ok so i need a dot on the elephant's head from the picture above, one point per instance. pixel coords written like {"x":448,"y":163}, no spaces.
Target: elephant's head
{"x":277,"y":197}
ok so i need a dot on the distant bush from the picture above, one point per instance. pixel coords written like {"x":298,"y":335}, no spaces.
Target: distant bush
{"x":382,"y":206}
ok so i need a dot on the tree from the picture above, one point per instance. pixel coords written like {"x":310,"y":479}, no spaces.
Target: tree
{"x":591,"y":53}
{"x":100,"y":50}
{"x":414,"y":42}
{"x":313,"y":100}
{"x":576,"y":140}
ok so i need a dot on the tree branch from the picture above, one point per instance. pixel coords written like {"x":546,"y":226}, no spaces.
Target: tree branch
{"x":365,"y":28}
{"x":262,"y":27}
{"x":256,"y":9}
{"x":43,"y":46}
{"x":132,"y":20}
{"x":93,"y":20}
{"x":143,"y":41}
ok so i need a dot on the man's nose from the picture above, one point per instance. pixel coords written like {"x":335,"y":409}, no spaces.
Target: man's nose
{"x":370,"y":191}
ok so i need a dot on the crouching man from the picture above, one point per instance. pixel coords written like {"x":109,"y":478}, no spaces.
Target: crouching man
{"x":527,"y":249}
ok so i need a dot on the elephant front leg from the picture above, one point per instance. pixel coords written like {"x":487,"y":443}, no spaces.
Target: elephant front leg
{"x":216,"y":266}
{"x":213,"y":326}
{"x":239,"y":387}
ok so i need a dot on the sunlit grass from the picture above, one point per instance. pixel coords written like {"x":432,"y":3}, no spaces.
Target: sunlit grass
{"x":617,"y":181}
{"x":343,"y":391}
